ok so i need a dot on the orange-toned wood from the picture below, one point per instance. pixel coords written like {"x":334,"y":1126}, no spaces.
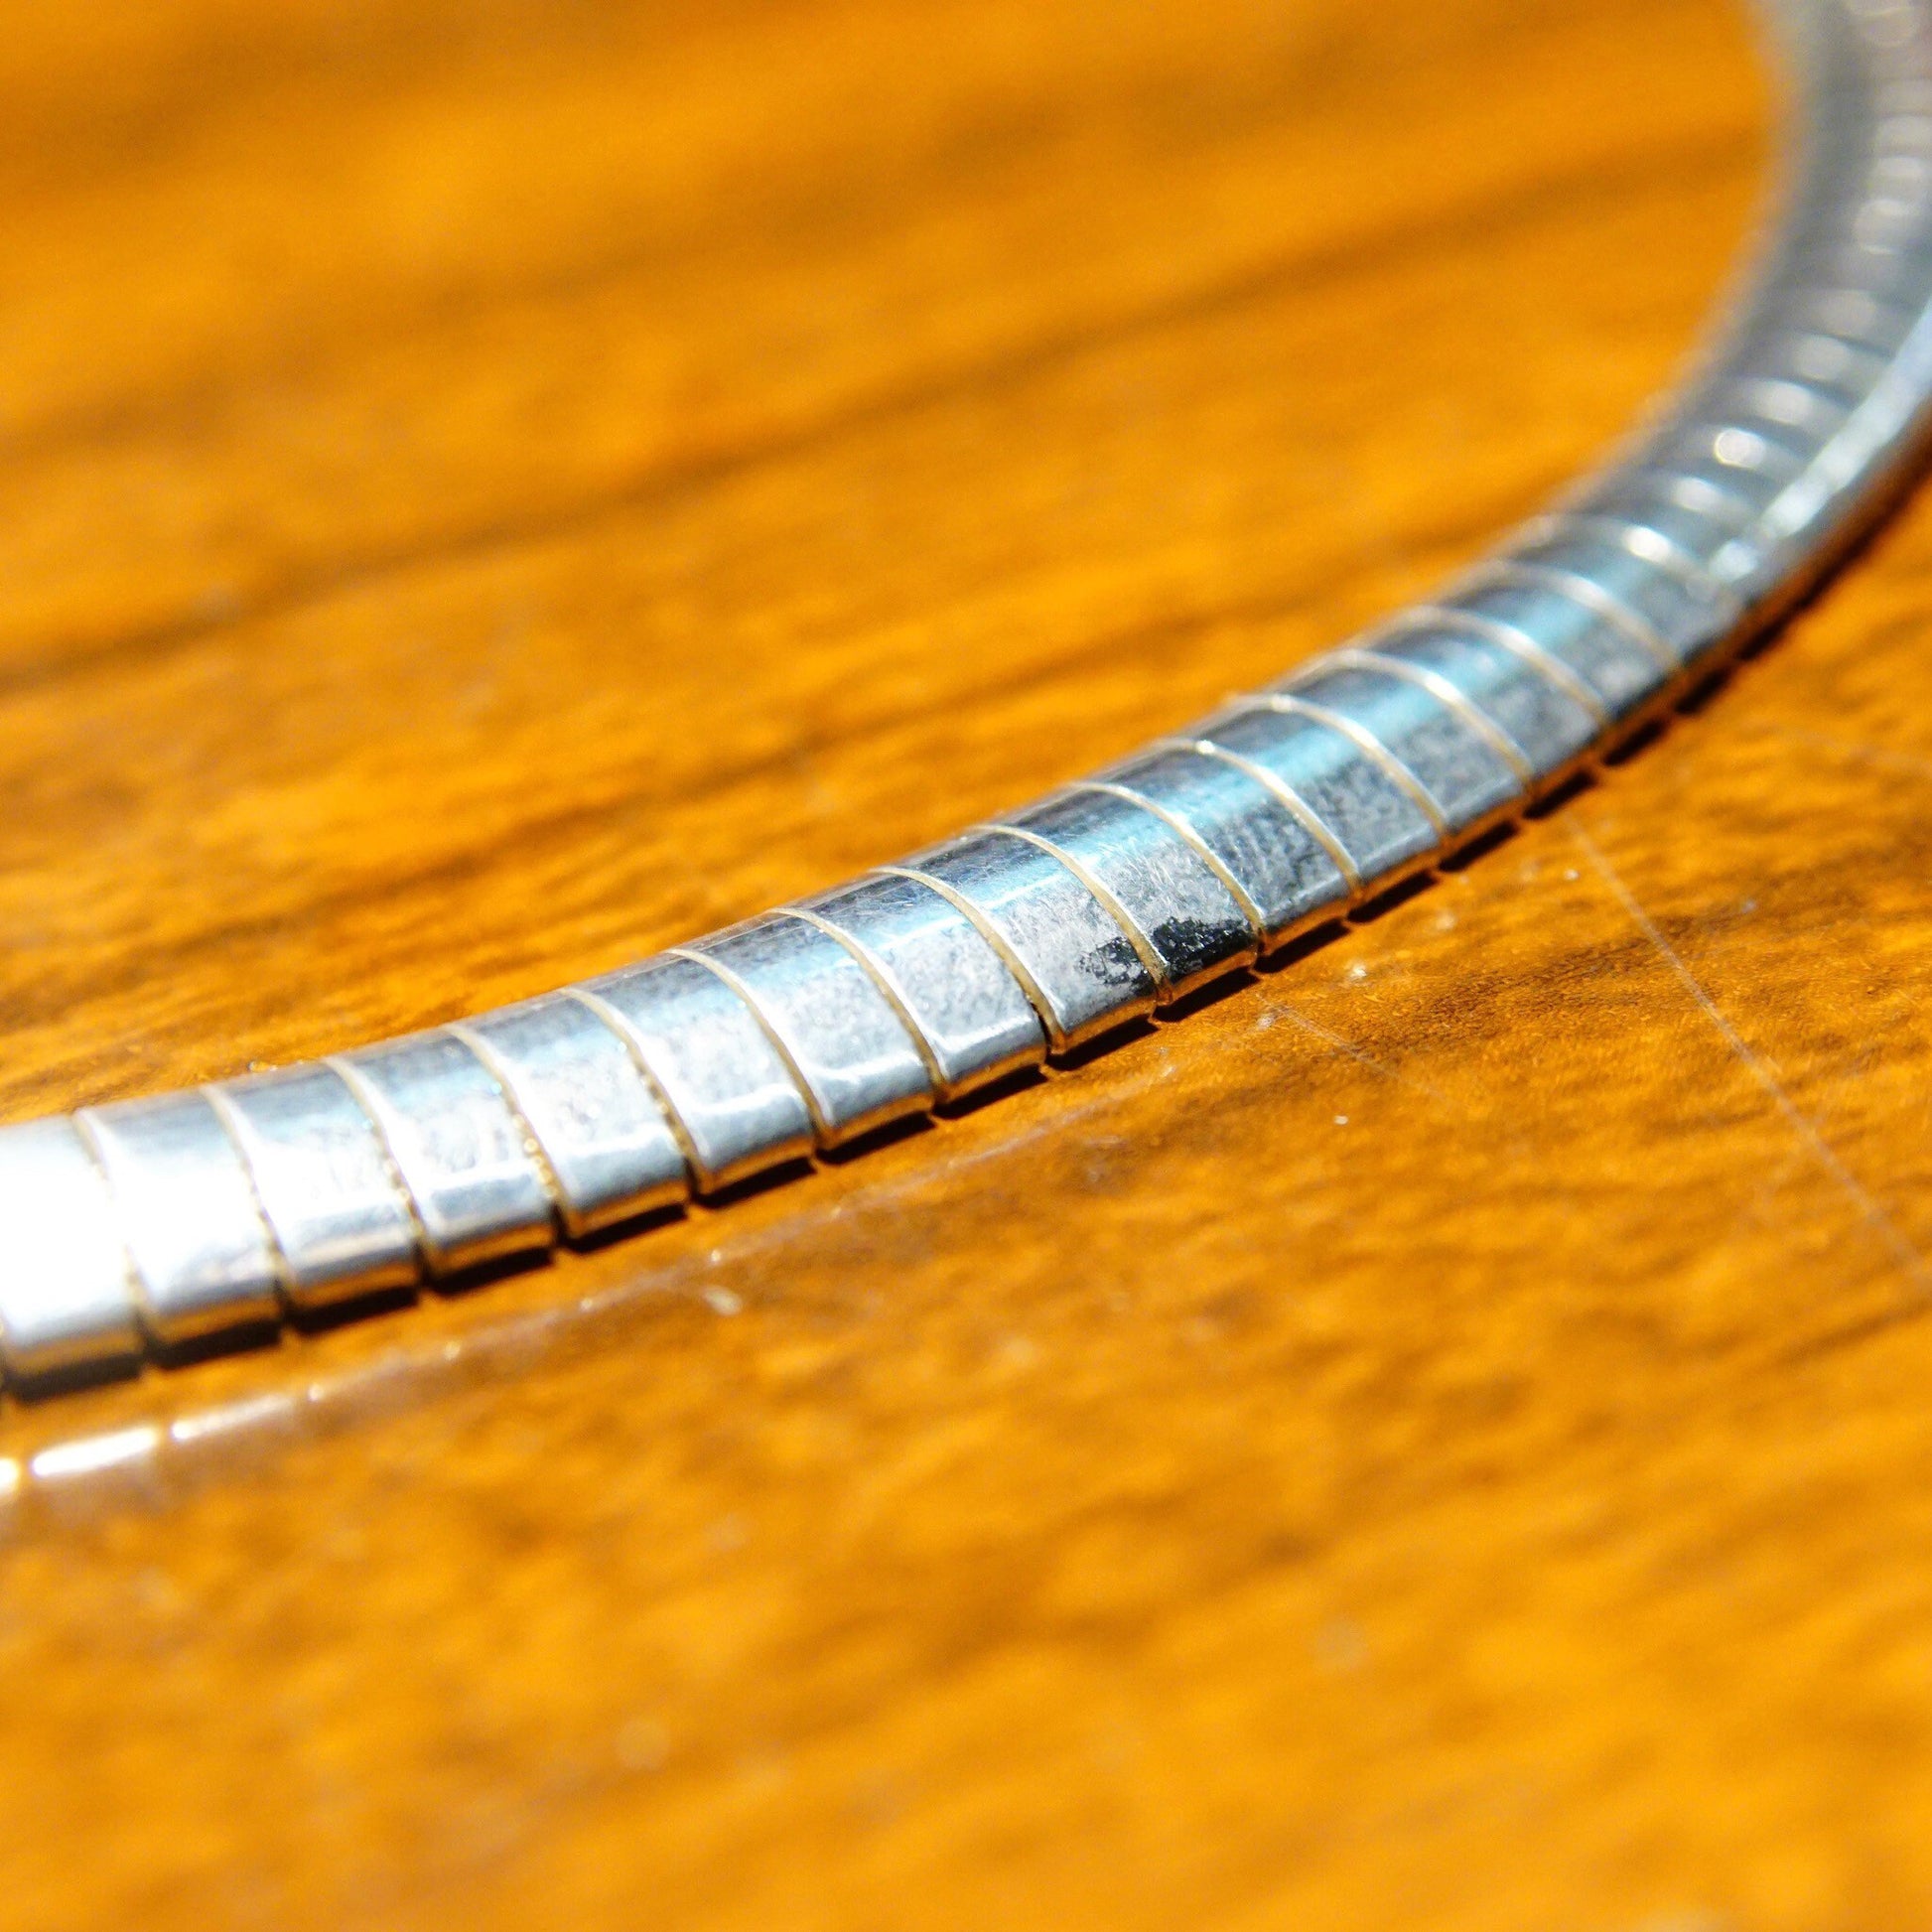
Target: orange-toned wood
{"x":1436,"y":1435}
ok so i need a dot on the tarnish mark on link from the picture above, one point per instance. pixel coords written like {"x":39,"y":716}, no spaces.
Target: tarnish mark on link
{"x":1107,"y":902}
{"x":1185,"y":832}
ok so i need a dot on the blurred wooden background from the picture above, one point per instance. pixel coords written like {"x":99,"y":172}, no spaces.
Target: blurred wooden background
{"x":1437,"y":1437}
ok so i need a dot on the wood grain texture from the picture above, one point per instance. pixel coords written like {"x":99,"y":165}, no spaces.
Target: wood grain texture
{"x":1433,"y":1436}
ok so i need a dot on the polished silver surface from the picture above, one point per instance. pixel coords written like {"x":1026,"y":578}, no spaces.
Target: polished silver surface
{"x":1534,"y":723}
{"x":578,"y":1090}
{"x":461,"y":1151}
{"x":1650,"y":605}
{"x":1023,"y":939}
{"x":1619,"y":673}
{"x":187,"y":1216}
{"x":732,"y":1099}
{"x":66,"y":1297}
{"x":1466,"y":776}
{"x":959,"y":996}
{"x":1442,"y":691}
{"x":323,"y":1182}
{"x":857,"y":1060}
{"x":1377,"y":823}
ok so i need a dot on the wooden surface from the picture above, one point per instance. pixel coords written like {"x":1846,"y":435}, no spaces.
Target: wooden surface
{"x":1438,"y":1436}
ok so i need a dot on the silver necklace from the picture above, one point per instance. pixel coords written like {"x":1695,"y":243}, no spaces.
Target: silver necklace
{"x":159,"y":1223}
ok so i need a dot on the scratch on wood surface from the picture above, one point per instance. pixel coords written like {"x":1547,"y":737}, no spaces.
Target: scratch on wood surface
{"x":1360,"y":1054}
{"x":1854,"y":752}
{"x":1802,"y":1126}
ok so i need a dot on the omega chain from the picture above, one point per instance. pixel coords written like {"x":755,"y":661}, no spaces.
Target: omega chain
{"x":157,"y":1223}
